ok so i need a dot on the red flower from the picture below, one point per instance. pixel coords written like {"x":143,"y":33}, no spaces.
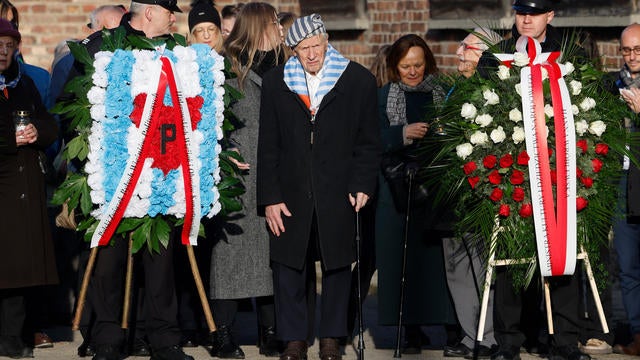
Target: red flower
{"x":550,"y":151}
{"x":523,"y":158}
{"x":597,"y":165}
{"x":517,"y":177}
{"x":496,"y":194}
{"x":518,"y":194}
{"x":469,"y":167}
{"x":582,"y":144}
{"x":602,"y":149}
{"x":554,"y":177}
{"x":526,"y":210}
{"x":587,"y":182}
{"x":578,"y":172}
{"x":506,"y":161}
{"x":473,"y":181}
{"x":581,"y":203}
{"x":495,"y":178}
{"x":504,"y":210}
{"x":489,"y":161}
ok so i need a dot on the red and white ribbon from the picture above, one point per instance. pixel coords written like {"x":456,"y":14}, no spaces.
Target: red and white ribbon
{"x":554,"y":218}
{"x":141,"y":157}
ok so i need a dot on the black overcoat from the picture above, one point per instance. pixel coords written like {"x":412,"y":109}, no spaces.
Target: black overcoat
{"x":344,"y":158}
{"x":26,"y":249}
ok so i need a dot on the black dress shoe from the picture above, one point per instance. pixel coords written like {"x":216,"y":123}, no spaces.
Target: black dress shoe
{"x":484,"y":352}
{"x":506,"y":355}
{"x":107,"y":352}
{"x":567,"y":353}
{"x":140,"y":348}
{"x":459,"y":350}
{"x":189,"y":339}
{"x":170,"y":353}
{"x":414,"y":339}
{"x":268,"y":344}
{"x":224,"y":346}
{"x":13,"y":347}
{"x":86,"y":349}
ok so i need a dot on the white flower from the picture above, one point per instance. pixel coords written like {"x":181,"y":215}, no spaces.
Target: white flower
{"x":484,"y":120}
{"x":100,"y":78}
{"x":568,"y":68}
{"x":587,"y":104}
{"x":468,"y":111}
{"x":581,"y":127}
{"x":479,"y":138}
{"x":464,"y":150}
{"x":576,"y":87}
{"x":597,"y":127}
{"x":518,"y":135}
{"x":515,"y":115}
{"x":503,"y":72}
{"x":548,"y":110}
{"x":96,"y":95}
{"x":491,"y":97}
{"x":98,"y":112}
{"x":498,"y":135}
{"x":518,"y":89}
{"x":575,"y":110}
{"x":521,"y":59}
{"x":545,"y":74}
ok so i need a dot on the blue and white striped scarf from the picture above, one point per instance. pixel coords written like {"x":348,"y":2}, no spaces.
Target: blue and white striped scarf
{"x":333,"y":66}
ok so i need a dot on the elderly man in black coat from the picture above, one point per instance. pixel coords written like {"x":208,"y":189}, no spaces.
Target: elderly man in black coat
{"x":318,"y":158}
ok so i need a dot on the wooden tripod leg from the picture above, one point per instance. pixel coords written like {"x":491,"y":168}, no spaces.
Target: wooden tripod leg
{"x":203,"y":296}
{"x":594,"y":291}
{"x":547,"y":301}
{"x":83,"y":289}
{"x":126,"y":304}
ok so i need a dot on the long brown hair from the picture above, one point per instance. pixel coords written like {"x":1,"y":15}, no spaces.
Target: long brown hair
{"x":247,"y":36}
{"x":399,"y":50}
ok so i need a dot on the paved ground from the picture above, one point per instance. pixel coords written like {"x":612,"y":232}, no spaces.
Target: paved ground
{"x":379,"y":342}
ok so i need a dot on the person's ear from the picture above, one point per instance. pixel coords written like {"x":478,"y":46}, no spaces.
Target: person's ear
{"x":550,"y":16}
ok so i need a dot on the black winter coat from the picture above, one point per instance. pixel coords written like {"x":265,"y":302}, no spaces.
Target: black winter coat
{"x":344,"y":158}
{"x":26,"y":249}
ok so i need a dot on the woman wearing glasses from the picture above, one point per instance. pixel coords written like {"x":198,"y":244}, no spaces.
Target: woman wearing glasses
{"x":204,"y":25}
{"x":240,"y":257}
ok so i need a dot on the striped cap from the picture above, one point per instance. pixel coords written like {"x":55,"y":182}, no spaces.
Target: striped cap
{"x":303,"y":28}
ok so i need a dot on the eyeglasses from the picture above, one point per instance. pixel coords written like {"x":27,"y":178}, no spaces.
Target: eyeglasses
{"x":466,"y":46}
{"x":201,"y":30}
{"x":626,"y":51}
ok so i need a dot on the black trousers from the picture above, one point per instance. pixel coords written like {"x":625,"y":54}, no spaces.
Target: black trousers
{"x":106,"y":292}
{"x":12,"y":312}
{"x":295,"y":292}
{"x":508,"y":311}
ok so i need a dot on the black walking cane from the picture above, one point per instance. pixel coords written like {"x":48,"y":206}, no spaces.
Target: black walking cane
{"x":360,"y":318}
{"x":410,"y":173}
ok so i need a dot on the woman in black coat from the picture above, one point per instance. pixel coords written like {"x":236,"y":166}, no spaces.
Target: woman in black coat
{"x":26,"y":249}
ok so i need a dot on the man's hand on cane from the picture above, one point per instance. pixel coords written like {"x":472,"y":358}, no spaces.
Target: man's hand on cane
{"x":359,"y":201}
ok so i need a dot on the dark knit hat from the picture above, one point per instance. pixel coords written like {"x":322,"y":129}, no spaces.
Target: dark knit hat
{"x":304,"y":27}
{"x":203,"y":11}
{"x":8,"y":29}
{"x":171,"y":5}
{"x":532,"y":6}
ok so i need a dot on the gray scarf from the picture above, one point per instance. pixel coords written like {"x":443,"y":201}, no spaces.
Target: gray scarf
{"x":625,"y":77}
{"x":396,"y":101}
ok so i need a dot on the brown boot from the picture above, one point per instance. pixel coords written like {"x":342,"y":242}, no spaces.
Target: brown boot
{"x":296,"y":350}
{"x":330,"y":349}
{"x":633,"y":348}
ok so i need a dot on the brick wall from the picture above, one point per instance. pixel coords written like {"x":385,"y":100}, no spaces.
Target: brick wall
{"x":44,"y":23}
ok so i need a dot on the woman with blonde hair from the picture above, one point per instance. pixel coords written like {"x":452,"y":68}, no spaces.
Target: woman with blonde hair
{"x":240,"y":265}
{"x":204,"y":24}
